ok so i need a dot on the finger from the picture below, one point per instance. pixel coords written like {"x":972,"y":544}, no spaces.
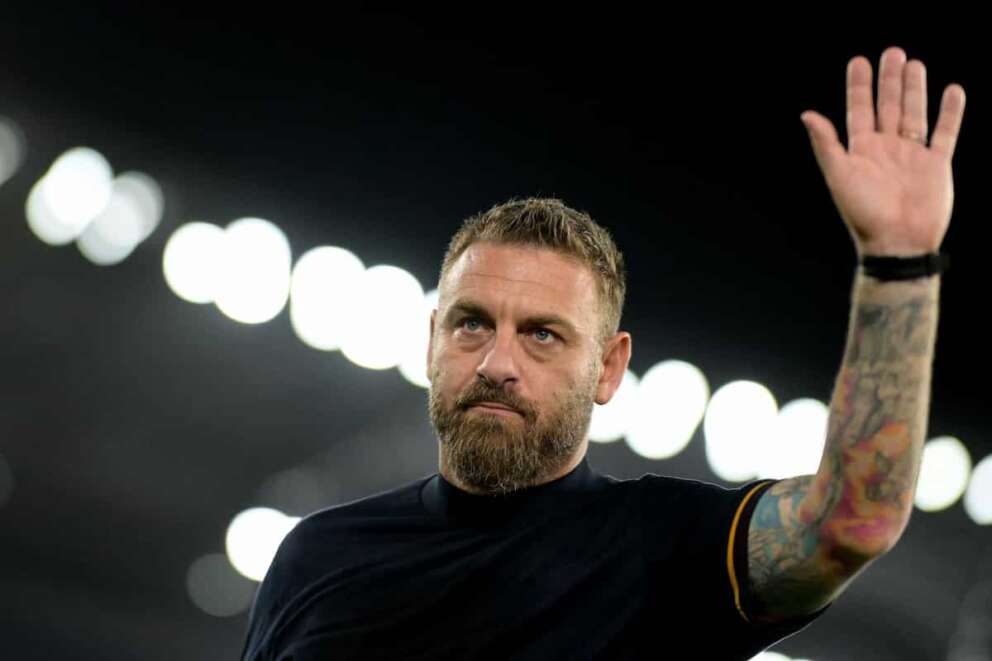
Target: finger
{"x":890,"y":89}
{"x":945,"y":135}
{"x":827,"y":148}
{"x":914,"y":99}
{"x":860,"y":112}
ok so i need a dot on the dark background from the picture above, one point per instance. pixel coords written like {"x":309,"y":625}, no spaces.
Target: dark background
{"x":136,"y":424}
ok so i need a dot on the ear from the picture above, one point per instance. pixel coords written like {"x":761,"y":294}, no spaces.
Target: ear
{"x":616,"y":357}
{"x":430,"y":345}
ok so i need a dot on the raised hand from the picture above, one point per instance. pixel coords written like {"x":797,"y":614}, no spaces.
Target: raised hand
{"x":894,"y":193}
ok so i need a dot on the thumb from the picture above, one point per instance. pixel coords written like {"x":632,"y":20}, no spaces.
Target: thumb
{"x":826,"y":147}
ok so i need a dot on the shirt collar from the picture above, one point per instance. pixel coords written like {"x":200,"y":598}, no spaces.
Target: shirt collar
{"x":444,"y":499}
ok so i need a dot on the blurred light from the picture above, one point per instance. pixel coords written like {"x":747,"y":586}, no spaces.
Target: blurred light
{"x":295,"y":491}
{"x":191,"y":261}
{"x":254,"y":271}
{"x":389,"y":312}
{"x":69,"y":196}
{"x":12,"y":147}
{"x":6,"y":481}
{"x":944,"y":472}
{"x":671,"y":399}
{"x":323,"y":297}
{"x":610,"y":421}
{"x":978,"y":497}
{"x":253,"y":537}
{"x":796,"y":444}
{"x":739,"y":421}
{"x":132,"y":213}
{"x":111,"y":236}
{"x":216,"y":588}
{"x":42,"y":221}
{"x":770,"y":656}
{"x":146,"y":195}
{"x":413,"y":365}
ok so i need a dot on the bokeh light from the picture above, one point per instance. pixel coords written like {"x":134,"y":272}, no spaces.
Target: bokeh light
{"x":131,"y":214}
{"x":413,"y":365}
{"x":944,"y":471}
{"x":670,"y":402}
{"x":147,"y":195}
{"x":254,"y":271}
{"x":12,"y":148}
{"x":69,"y":196}
{"x":216,"y":588}
{"x":295,"y":491}
{"x":390,"y":310}
{"x":610,"y":421}
{"x":253,"y":537}
{"x":191,"y":261}
{"x":739,"y":421}
{"x":796,"y":443}
{"x":323,"y":298}
{"x":978,"y":497}
{"x":770,"y":656}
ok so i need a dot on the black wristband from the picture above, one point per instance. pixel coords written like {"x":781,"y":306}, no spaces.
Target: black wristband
{"x":904,"y":268}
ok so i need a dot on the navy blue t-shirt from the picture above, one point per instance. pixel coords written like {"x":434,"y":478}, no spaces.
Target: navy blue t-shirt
{"x":584,"y":567}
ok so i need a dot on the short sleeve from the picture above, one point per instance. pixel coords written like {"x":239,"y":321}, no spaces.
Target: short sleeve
{"x":737,"y":564}
{"x":695,"y":535}
{"x":737,"y":560}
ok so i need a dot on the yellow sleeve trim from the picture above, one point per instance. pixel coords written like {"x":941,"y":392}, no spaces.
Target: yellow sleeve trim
{"x":730,"y":550}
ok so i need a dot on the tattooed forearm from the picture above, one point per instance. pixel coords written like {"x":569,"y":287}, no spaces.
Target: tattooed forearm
{"x":863,"y":491}
{"x":809,"y":536}
{"x":790,"y":570}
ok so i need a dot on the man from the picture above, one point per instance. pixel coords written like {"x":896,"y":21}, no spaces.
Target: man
{"x":517,"y":549}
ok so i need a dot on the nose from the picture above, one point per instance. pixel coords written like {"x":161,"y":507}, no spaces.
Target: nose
{"x":499,"y":365}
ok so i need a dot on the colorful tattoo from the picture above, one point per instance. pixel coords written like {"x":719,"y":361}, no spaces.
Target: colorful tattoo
{"x":810,"y":535}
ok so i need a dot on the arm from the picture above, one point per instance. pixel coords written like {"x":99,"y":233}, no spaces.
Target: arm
{"x":811,"y":535}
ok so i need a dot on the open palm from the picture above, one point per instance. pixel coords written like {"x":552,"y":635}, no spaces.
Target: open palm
{"x":894,"y":193}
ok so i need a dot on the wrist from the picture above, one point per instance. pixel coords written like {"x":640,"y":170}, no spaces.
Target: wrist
{"x":910,"y":267}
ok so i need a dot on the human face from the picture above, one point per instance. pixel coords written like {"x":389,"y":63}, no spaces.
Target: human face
{"x":516,"y":326}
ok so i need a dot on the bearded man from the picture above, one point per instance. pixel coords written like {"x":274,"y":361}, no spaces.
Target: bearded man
{"x":517,"y":549}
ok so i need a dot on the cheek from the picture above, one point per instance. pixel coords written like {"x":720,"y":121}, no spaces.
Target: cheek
{"x":438,"y":361}
{"x":448,"y":376}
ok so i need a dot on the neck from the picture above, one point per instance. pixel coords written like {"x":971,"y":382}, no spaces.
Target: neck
{"x":449,"y":474}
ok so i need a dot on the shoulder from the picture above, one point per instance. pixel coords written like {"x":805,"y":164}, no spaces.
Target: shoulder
{"x":400,"y":502}
{"x":702,"y":509}
{"x":325,"y":537}
{"x":319,"y":543}
{"x":399,"y":499}
{"x":691,"y":491}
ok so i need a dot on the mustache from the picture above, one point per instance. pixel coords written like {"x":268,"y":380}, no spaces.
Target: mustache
{"x":481,"y":393}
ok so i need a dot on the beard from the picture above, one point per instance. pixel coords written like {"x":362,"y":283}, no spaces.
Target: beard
{"x":496,"y":454}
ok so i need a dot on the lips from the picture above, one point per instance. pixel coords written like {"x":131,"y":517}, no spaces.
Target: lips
{"x":494,"y":405}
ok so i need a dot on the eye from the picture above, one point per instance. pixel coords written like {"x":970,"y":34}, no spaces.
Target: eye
{"x":469,"y":320}
{"x":550,"y":335}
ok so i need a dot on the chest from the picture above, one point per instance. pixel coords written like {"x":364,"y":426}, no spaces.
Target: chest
{"x":528,"y":581}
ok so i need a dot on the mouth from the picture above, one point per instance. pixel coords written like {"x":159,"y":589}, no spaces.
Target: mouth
{"x":494,"y":409}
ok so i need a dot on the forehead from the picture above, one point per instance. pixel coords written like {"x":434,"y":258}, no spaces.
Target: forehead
{"x":538,"y":277}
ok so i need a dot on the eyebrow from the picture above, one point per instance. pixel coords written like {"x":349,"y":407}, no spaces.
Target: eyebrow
{"x":474,"y":308}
